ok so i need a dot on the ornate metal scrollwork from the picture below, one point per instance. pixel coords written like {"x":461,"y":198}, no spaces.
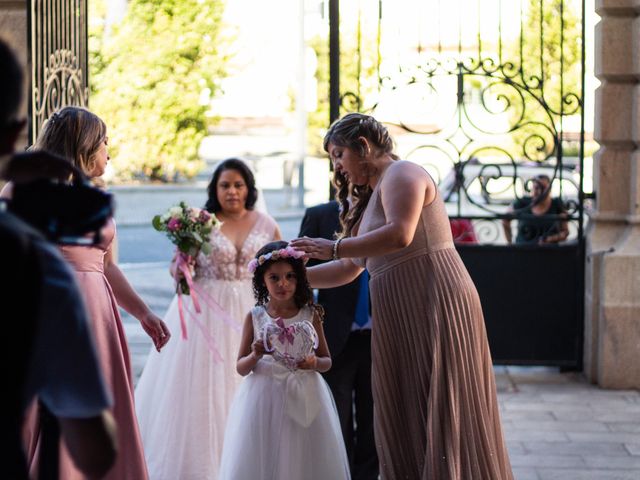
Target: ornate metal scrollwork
{"x":58,"y":57}
{"x":63,"y":84}
{"x":499,"y":117}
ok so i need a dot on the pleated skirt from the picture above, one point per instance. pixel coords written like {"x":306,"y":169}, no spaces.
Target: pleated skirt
{"x":436,"y":408}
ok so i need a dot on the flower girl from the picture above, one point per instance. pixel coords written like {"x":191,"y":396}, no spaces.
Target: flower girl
{"x":283,"y":422}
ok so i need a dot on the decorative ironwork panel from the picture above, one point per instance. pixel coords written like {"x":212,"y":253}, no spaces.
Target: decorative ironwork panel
{"x":488,"y":95}
{"x":485,"y":94}
{"x":58,"y":57}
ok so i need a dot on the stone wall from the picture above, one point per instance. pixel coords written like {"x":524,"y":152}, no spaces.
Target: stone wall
{"x":612,"y":324}
{"x":13,"y":28}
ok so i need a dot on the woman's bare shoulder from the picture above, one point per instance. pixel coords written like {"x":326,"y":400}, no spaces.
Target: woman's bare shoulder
{"x":265,"y":217}
{"x":407,"y":171}
{"x":267,"y":221}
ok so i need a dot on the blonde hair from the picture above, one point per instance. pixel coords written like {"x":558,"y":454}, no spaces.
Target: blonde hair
{"x":74,"y":133}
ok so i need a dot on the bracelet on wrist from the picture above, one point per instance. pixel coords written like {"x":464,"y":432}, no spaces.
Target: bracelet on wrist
{"x":336,"y":244}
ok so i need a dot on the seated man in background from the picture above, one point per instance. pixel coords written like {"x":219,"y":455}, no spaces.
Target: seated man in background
{"x":540,"y":217}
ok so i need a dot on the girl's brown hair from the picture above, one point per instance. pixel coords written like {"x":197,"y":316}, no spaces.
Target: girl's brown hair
{"x":303,"y":294}
{"x":346,"y":132}
{"x":73,"y":133}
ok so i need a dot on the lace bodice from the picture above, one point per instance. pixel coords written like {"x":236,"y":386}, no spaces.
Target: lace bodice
{"x":227,"y":263}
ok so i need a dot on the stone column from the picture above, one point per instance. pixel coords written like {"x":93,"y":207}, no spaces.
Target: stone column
{"x":612,"y":323}
{"x":13,"y":29}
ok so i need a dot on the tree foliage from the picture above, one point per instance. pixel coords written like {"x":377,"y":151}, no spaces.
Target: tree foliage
{"x":148,"y":82}
{"x":549,"y":56}
{"x":356,"y":83}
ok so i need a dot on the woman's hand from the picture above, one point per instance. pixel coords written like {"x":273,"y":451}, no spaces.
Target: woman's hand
{"x":258,"y":350}
{"x":175,"y":272}
{"x":319,"y":248}
{"x":156,"y":329}
{"x":310,"y":362}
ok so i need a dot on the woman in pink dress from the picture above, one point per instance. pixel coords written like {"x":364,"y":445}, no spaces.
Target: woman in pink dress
{"x":80,"y":136}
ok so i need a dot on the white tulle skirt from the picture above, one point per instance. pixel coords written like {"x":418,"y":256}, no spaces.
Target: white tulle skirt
{"x":184,"y":395}
{"x":283,"y":425}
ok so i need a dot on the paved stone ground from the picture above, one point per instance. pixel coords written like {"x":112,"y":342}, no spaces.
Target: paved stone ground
{"x":558,"y":426}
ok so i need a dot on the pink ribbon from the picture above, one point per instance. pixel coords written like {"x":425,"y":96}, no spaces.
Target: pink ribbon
{"x":182,"y":265}
{"x":216,"y":308}
{"x":207,"y":336}
{"x":183,"y":261}
{"x":287,"y":333}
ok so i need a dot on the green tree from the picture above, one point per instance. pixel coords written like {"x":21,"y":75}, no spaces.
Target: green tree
{"x":354,"y":89}
{"x":148,"y":80}
{"x":551,"y":73}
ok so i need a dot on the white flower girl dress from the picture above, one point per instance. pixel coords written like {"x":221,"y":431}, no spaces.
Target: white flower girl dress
{"x":283,"y":423}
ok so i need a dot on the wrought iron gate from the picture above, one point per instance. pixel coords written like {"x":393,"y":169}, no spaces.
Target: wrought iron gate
{"x":486,"y":95}
{"x":58,"y":58}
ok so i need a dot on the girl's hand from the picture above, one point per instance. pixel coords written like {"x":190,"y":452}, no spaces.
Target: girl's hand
{"x":258,"y":350}
{"x":156,"y":329}
{"x":319,"y":248}
{"x":309,"y":363}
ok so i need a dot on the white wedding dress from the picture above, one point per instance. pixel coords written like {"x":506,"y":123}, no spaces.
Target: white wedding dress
{"x":184,"y":395}
{"x":283,"y":424}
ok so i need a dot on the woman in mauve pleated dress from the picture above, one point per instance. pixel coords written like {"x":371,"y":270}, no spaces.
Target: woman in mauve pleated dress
{"x":435,"y":403}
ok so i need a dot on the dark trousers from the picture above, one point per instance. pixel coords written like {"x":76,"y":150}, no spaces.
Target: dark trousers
{"x":350,"y":383}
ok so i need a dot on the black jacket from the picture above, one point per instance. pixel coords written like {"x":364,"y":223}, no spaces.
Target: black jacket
{"x":339,"y":303}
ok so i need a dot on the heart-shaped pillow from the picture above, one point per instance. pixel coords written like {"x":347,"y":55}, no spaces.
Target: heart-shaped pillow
{"x":289,"y":345}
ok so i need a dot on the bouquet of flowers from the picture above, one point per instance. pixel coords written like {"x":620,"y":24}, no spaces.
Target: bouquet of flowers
{"x":189,"y":229}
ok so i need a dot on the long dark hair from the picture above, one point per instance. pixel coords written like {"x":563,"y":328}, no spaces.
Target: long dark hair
{"x":346,"y":132}
{"x":213,"y":204}
{"x":303,"y":294}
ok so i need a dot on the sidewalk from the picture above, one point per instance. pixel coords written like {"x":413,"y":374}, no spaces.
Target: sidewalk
{"x":558,"y":426}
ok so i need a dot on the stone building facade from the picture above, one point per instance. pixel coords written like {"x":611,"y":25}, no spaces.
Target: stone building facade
{"x":612,"y":322}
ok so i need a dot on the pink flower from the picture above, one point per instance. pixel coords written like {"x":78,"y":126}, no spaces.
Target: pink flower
{"x":194,"y":214}
{"x":174,"y":224}
{"x":253,"y":265}
{"x":204,"y":216}
{"x":292,"y":252}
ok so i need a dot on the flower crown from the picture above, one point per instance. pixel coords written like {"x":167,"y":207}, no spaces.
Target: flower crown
{"x":288,"y":252}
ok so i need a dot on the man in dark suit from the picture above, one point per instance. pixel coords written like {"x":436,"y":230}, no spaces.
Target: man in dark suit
{"x":347,"y":327}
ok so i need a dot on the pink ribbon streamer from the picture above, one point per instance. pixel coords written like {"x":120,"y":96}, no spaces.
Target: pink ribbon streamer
{"x":217,"y":309}
{"x":182,"y":265}
{"x":217,"y":357}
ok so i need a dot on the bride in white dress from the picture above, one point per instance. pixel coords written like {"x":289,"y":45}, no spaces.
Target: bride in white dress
{"x":184,"y":395}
